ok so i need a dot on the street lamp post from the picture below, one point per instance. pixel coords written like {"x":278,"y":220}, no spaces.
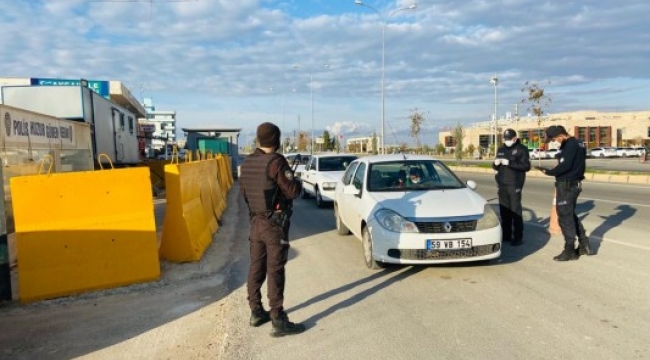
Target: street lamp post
{"x":311,"y":92}
{"x":495,"y":81}
{"x":384,"y":20}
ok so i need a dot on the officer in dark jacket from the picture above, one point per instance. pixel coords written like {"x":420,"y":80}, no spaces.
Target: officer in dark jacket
{"x":269,"y":187}
{"x":569,"y":174}
{"x":511,"y":163}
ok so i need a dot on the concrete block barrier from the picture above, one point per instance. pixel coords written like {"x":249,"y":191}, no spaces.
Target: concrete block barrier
{"x":82,"y":231}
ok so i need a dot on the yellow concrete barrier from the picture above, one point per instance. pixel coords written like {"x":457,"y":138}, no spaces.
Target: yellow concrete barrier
{"x":206,"y":196}
{"x":218,"y":198}
{"x":186,"y":233}
{"x":82,"y":231}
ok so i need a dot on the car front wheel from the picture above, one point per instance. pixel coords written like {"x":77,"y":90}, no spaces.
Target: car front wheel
{"x":341,"y":229}
{"x":366,"y":243}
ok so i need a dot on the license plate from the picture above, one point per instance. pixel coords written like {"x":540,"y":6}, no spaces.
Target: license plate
{"x":449,"y":244}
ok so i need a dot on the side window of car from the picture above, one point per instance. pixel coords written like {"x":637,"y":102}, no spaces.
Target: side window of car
{"x":310,"y":165}
{"x":359,"y":176}
{"x":347,"y":177}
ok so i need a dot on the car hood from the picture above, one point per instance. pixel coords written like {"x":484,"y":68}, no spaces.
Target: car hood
{"x":431,"y":203}
{"x":330,"y":176}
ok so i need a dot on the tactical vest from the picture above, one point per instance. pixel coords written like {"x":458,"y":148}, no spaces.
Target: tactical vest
{"x":260,"y":190}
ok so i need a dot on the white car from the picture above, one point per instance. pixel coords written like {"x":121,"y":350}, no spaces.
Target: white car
{"x":552,"y":153}
{"x":438,"y":220}
{"x":603,"y":152}
{"x":627,"y":152}
{"x":322,"y":172}
{"x":535,"y":154}
{"x":182,"y":154}
{"x":300,"y":166}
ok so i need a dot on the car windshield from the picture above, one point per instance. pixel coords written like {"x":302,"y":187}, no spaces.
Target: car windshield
{"x":410,"y":175}
{"x":335,"y":163}
{"x":291,"y":158}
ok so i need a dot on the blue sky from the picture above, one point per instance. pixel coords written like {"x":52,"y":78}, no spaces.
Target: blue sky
{"x":239,"y":63}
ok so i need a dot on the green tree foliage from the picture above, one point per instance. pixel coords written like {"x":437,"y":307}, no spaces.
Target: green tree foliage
{"x":440,"y":149}
{"x":326,"y":140}
{"x":459,"y":134}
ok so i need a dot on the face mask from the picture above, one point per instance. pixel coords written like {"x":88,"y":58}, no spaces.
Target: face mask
{"x":509,"y":143}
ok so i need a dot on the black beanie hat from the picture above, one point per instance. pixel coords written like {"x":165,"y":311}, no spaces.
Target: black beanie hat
{"x":268,"y":135}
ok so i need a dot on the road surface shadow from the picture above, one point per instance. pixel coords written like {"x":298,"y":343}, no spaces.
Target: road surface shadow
{"x":623,"y":213}
{"x":358,"y":297}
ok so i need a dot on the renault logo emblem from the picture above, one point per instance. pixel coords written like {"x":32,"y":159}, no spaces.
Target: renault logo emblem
{"x":447,"y":227}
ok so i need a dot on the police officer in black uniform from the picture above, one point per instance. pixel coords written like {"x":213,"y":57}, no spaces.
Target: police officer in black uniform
{"x":269,"y":187}
{"x":569,"y":174}
{"x":511,"y":163}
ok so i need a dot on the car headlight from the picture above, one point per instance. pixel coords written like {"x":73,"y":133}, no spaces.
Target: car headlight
{"x":489,"y":219}
{"x":392,"y":221}
{"x":329,"y":185}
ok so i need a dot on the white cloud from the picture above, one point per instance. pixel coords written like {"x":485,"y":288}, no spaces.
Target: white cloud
{"x":213,"y":58}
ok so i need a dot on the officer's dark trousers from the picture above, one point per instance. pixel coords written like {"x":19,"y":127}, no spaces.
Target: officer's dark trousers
{"x":511,"y":213}
{"x":566,"y":197}
{"x":268,"y":255}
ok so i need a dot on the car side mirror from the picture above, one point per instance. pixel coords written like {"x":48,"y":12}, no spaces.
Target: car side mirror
{"x":351,"y":190}
{"x":471,"y":184}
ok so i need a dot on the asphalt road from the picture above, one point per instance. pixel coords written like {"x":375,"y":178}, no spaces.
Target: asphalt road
{"x":523,"y":306}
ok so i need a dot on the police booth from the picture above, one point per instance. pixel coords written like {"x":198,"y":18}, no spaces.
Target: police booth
{"x":218,"y":140}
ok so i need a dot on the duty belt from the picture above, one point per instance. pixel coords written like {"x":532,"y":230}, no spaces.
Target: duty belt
{"x":568,"y":183}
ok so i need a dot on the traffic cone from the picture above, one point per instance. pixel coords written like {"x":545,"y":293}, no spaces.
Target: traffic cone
{"x":553,"y":224}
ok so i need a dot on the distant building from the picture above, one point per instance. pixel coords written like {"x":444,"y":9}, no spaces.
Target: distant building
{"x":164,"y":122}
{"x":593,"y":128}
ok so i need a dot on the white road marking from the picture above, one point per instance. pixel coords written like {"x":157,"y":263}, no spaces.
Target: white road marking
{"x":603,"y":239}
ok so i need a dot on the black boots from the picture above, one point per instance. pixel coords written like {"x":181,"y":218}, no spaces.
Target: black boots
{"x":569,"y":253}
{"x":259,"y":317}
{"x":282,"y":326}
{"x":583,"y":247}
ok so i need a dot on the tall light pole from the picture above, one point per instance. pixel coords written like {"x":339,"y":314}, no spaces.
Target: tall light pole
{"x":311,"y":91}
{"x":384,"y":20}
{"x":495,"y":81}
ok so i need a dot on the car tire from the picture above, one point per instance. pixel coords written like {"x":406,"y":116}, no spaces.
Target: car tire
{"x":341,"y":229}
{"x":366,"y":247}
{"x":602,"y":155}
{"x":319,"y":198}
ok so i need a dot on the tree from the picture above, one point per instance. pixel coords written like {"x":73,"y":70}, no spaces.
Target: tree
{"x":470,"y":150}
{"x":459,"y":134}
{"x":426,"y":149}
{"x":440,"y":149}
{"x":374,"y":143}
{"x":326,"y":140}
{"x":303,"y":141}
{"x":417,"y":119}
{"x":536,"y":98}
{"x":286,"y":144}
